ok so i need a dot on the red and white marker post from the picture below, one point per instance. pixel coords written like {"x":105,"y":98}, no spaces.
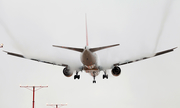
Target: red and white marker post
{"x":33,"y":89}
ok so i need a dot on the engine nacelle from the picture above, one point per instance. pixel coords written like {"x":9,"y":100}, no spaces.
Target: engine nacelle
{"x":116,"y":71}
{"x":67,"y":73}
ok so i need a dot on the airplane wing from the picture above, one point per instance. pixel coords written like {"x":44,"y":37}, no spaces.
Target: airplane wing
{"x":156,"y":54}
{"x":22,"y":56}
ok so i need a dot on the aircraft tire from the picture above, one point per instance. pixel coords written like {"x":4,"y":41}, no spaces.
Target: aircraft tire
{"x":78,"y":76}
{"x":105,"y":76}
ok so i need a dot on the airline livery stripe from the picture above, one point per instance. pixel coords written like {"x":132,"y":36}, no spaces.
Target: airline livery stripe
{"x":86,"y":32}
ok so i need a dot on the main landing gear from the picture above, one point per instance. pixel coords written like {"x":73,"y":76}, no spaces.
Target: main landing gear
{"x":77,"y":76}
{"x":105,"y":75}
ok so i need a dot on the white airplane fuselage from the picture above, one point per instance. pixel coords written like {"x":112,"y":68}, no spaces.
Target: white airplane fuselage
{"x":89,"y":61}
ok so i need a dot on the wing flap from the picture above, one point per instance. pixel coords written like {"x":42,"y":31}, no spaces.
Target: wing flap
{"x":163,"y":52}
{"x":14,"y":54}
{"x":21,"y":56}
{"x":157,"y":54}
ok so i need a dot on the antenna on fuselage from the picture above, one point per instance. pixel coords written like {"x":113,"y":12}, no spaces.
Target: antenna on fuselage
{"x":86,"y":30}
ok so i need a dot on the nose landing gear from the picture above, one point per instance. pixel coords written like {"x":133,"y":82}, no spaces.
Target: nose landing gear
{"x":94,"y":81}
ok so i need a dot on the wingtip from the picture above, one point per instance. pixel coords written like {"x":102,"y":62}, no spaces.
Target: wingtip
{"x":5,"y":51}
{"x":165,"y":51}
{"x":175,"y":47}
{"x":56,"y":46}
{"x":116,"y":44}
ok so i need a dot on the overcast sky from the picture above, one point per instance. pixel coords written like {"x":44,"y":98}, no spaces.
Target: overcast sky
{"x":141,"y":27}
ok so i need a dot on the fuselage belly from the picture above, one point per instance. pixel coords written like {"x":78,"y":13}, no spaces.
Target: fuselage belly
{"x":89,"y":61}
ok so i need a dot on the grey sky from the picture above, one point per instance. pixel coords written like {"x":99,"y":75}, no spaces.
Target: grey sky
{"x":34,"y":26}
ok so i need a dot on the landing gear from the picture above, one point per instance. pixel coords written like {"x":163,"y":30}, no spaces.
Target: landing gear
{"x":77,"y":76}
{"x":105,"y":75}
{"x":94,"y":81}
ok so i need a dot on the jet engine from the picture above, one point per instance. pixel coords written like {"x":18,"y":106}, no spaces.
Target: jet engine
{"x":116,"y":71}
{"x":67,"y":73}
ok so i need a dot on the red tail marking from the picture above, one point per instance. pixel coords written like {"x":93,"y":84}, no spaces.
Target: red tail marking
{"x":86,"y":32}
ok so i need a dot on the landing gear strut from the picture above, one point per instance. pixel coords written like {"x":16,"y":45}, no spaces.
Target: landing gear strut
{"x":77,"y":76}
{"x":94,"y":81}
{"x":105,"y":75}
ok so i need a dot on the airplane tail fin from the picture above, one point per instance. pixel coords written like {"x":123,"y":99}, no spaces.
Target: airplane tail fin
{"x":87,"y":44}
{"x":100,"y":48}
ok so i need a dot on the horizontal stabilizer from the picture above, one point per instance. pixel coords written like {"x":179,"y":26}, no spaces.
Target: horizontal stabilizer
{"x":100,"y":48}
{"x":70,"y":48}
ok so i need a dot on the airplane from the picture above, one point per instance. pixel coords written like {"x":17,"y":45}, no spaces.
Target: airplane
{"x":88,"y":59}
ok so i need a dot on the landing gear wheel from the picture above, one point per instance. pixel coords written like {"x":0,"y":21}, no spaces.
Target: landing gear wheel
{"x":94,"y":81}
{"x":77,"y":76}
{"x":105,"y":76}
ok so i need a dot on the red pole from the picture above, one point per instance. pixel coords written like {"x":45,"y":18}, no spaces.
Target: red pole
{"x":33,"y":95}
{"x":56,"y":106}
{"x":34,"y":89}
